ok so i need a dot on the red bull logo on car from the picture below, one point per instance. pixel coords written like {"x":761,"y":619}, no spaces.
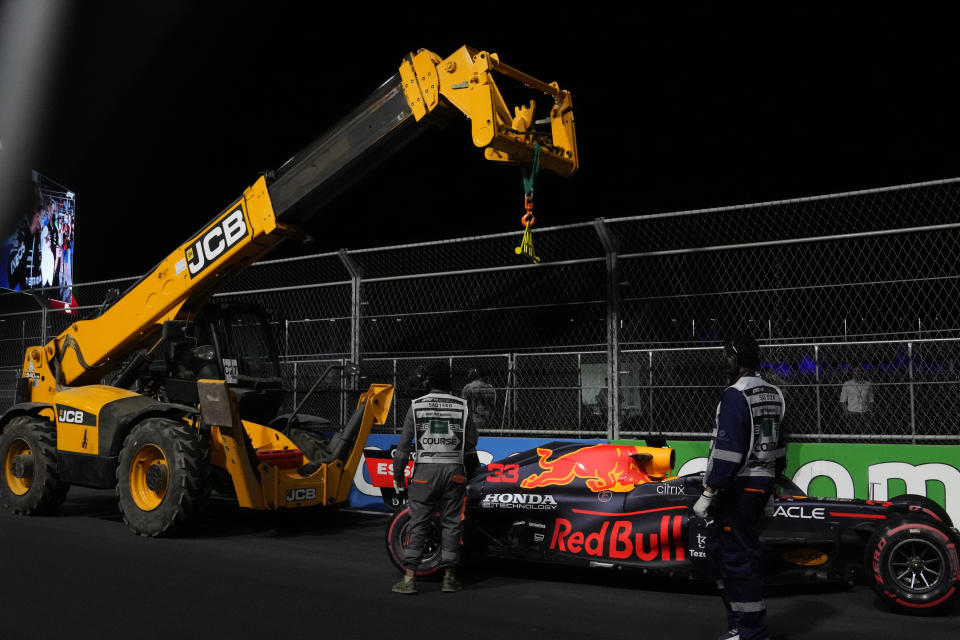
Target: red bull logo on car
{"x":623,"y":539}
{"x":605,"y":467}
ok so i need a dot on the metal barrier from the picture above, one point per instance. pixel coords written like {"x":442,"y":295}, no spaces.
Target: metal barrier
{"x":616,"y":333}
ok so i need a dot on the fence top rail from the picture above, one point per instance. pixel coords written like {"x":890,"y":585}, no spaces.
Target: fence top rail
{"x":434,"y":243}
{"x":312,"y":256}
{"x":436,"y":357}
{"x":530,"y":354}
{"x":812,"y":343}
{"x":76,"y":285}
{"x":299,"y":287}
{"x":772,"y":203}
{"x":35,"y":312}
{"x":791,"y":241}
{"x":478,"y":270}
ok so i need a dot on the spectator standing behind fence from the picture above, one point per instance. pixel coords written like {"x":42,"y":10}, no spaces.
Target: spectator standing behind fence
{"x":481,"y":398}
{"x":856,"y":397}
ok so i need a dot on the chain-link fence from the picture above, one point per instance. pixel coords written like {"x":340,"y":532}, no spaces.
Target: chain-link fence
{"x":616,"y":332}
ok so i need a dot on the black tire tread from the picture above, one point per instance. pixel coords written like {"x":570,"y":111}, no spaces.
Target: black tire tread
{"x":890,"y":597}
{"x":190,"y":477}
{"x":51,"y":492}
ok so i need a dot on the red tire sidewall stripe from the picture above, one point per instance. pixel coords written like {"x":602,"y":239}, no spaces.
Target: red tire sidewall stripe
{"x":927,"y":605}
{"x":390,"y":550}
{"x":393,"y":524}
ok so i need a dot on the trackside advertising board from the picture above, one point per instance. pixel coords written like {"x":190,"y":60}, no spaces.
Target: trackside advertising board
{"x":865,"y":471}
{"x":364,"y":495}
{"x":862,"y":471}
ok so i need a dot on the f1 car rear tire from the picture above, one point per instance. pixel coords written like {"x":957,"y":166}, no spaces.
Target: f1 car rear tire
{"x":398,"y":534}
{"x":914,"y":565}
{"x":163,"y":476}
{"x":28,"y":451}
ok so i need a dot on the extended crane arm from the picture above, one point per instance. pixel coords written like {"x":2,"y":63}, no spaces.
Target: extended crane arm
{"x":270,"y":208}
{"x":394,"y":115}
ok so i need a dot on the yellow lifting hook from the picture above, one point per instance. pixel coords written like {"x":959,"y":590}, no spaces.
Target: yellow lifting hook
{"x":526,"y":243}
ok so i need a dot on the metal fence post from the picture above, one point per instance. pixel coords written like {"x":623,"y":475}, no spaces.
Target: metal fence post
{"x":23,"y":339}
{"x":650,"y":422}
{"x":913,"y":408}
{"x":393,"y":408}
{"x":345,"y":387}
{"x":816,"y":377}
{"x":295,"y":382}
{"x":580,"y":390}
{"x":356,"y":275}
{"x":613,"y":328}
{"x":510,"y":398}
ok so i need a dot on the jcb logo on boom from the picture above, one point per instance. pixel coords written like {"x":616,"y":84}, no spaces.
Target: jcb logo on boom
{"x":215,"y":241}
{"x":69,"y":415}
{"x":296,"y":495}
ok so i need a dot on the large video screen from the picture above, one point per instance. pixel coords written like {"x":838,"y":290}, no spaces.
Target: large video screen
{"x":38,"y":253}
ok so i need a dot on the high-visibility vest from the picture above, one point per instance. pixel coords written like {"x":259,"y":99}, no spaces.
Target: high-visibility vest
{"x":767,"y":408}
{"x":439,"y":428}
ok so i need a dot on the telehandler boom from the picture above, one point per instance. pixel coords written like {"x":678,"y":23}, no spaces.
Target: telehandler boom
{"x":197,"y":388}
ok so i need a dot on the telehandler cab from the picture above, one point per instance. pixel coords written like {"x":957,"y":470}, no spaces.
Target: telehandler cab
{"x":197,"y":386}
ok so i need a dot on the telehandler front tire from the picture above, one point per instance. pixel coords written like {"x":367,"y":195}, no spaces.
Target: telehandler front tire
{"x":163,"y":476}
{"x":28,"y":450}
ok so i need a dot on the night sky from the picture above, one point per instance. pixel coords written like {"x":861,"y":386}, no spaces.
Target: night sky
{"x":163,"y":113}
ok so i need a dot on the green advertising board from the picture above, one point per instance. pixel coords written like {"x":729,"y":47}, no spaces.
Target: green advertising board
{"x":876,"y":471}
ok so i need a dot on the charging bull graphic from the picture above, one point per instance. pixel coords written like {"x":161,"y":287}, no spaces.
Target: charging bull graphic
{"x":605,"y":467}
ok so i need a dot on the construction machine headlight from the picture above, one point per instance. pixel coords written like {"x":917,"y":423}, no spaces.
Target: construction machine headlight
{"x":204,"y":352}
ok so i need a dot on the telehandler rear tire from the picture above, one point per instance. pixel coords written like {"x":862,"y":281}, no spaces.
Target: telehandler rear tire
{"x":28,"y":450}
{"x":163,"y":476}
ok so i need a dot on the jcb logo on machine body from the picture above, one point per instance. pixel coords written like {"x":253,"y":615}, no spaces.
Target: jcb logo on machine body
{"x":297,"y":495}
{"x":225,"y":233}
{"x":69,"y":415}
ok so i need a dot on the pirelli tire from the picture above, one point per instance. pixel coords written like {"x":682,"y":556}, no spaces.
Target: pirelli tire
{"x":398,"y":534}
{"x":30,"y":484}
{"x":913,"y":565}
{"x":163,"y":477}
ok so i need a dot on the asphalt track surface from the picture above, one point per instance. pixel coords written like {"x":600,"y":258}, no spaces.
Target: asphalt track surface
{"x":81,"y":574}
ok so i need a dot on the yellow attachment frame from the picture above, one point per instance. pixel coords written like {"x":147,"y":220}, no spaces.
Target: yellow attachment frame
{"x":261,"y":485}
{"x":465,"y":80}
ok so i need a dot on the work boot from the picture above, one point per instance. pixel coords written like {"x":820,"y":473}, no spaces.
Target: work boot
{"x":406,"y":587}
{"x":450,"y":585}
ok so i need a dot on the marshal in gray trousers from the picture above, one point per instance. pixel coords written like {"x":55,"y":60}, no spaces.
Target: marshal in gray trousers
{"x":435,"y":488}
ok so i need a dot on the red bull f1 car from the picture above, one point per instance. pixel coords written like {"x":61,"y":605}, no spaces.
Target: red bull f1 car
{"x":618,"y":506}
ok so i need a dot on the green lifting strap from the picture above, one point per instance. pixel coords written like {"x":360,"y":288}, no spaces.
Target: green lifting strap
{"x":530,"y":174}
